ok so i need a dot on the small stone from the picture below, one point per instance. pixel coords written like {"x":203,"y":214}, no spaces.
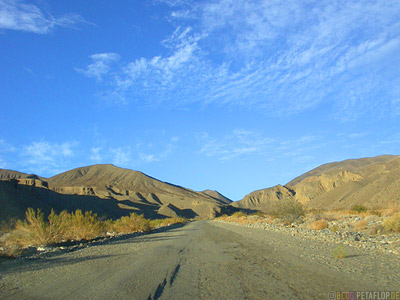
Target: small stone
{"x":42,"y":248}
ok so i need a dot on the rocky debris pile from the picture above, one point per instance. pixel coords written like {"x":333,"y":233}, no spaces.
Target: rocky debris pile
{"x":381,"y":242}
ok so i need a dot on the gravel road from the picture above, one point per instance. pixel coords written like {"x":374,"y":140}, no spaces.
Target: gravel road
{"x":201,"y":260}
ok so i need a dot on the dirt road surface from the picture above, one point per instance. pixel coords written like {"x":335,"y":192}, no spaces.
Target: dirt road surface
{"x":201,"y":260}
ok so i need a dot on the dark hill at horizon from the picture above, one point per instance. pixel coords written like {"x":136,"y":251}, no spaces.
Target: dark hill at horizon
{"x":125,"y":190}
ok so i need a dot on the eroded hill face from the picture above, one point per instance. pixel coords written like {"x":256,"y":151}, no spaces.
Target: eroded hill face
{"x":259,"y":200}
{"x":112,"y":191}
{"x":371,"y":182}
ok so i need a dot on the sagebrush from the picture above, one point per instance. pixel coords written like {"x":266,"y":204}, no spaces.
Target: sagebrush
{"x":37,"y":230}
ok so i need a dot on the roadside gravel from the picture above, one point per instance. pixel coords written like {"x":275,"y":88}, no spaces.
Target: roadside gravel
{"x":314,"y":247}
{"x":384,"y":243}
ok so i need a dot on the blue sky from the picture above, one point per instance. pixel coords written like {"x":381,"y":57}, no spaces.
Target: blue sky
{"x":230,"y":95}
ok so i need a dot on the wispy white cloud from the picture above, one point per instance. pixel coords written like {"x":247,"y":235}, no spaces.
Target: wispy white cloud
{"x":357,"y":135}
{"x":153,"y":157}
{"x":121,"y":156}
{"x":238,"y":143}
{"x":3,"y":164}
{"x":133,"y":155}
{"x":23,"y":16}
{"x":95,"y":154}
{"x":100,"y":66}
{"x":283,"y":57}
{"x":45,"y":157}
{"x":393,"y":139}
{"x":6,"y":147}
{"x":244,"y":143}
{"x":158,"y":76}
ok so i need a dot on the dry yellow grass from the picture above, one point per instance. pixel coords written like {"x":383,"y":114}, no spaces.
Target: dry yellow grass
{"x":360,"y":224}
{"x":157,"y":223}
{"x":393,"y":223}
{"x":319,"y":225}
{"x":131,"y":223}
{"x":332,"y":215}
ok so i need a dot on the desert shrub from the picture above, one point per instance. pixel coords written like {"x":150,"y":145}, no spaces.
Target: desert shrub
{"x":334,"y":228}
{"x":9,"y":251}
{"x":165,"y":222}
{"x":319,"y":225}
{"x":132,"y":223}
{"x":7,"y":226}
{"x":393,"y":223}
{"x":224,"y":216}
{"x":79,"y":225}
{"x":258,"y":213}
{"x":37,"y":230}
{"x":239,"y":214}
{"x":358,"y":208}
{"x":339,"y":252}
{"x":360,"y":224}
{"x":315,"y":211}
{"x":34,"y":230}
{"x":288,"y":210}
{"x":376,"y":212}
{"x":176,"y":220}
{"x":375,"y":229}
{"x":156,"y":223}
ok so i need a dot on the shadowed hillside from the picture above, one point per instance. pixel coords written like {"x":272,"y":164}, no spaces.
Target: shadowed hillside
{"x":372,"y":182}
{"x":216,"y":195}
{"x":112,"y":192}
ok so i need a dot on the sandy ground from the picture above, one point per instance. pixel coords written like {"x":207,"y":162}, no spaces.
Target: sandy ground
{"x":201,"y":260}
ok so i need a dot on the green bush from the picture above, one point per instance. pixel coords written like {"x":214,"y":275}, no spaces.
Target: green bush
{"x":289,"y":210}
{"x":358,"y":208}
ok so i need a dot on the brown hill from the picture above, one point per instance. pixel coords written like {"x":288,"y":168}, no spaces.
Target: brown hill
{"x":372,"y":182}
{"x":112,"y":192}
{"x":258,"y":200}
{"x":218,"y":196}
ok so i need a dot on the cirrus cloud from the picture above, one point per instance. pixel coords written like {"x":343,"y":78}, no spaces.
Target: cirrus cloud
{"x":45,"y":157}
{"x":284,"y":58}
{"x":22,"y":16}
{"x":100,"y":66}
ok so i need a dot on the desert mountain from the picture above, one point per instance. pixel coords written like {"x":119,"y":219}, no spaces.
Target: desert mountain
{"x":372,"y":182}
{"x":107,"y":190}
{"x":216,"y":195}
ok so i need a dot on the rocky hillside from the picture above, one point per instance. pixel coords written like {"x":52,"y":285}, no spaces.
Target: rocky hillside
{"x":217,"y":196}
{"x":107,"y":190}
{"x":259,"y":200}
{"x":372,"y":182}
